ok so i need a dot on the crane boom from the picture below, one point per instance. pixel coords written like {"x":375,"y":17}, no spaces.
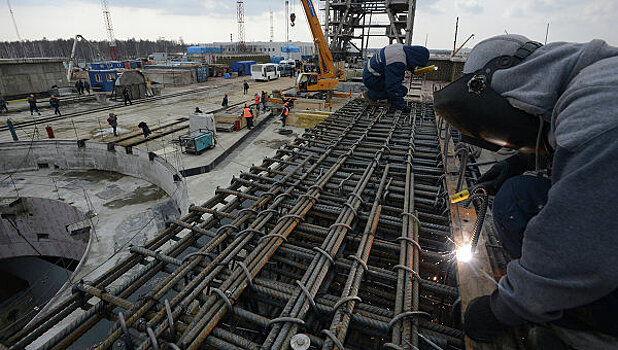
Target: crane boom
{"x":113,"y":49}
{"x":327,"y":66}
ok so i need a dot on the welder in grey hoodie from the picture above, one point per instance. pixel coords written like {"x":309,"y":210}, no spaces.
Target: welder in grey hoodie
{"x":561,"y":231}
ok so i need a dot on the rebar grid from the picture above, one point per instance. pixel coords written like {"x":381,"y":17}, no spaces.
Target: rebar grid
{"x":343,"y":235}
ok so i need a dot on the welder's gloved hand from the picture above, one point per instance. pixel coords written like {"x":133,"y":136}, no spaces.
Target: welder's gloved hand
{"x":480,"y":323}
{"x":495,"y":177}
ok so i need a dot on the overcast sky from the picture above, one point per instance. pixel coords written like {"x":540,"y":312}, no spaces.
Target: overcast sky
{"x":199,"y":21}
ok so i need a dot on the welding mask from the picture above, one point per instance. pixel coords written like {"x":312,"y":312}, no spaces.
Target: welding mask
{"x":483,"y":116}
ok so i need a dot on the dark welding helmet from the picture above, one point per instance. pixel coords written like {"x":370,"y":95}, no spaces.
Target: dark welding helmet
{"x":483,"y":116}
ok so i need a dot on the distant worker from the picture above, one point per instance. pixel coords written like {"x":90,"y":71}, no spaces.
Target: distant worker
{"x":384,"y":72}
{"x":3,"y":104}
{"x":285,"y":112}
{"x":145,"y":129}
{"x":87,"y":86}
{"x":556,"y":104}
{"x":79,"y":86}
{"x":256,"y":98}
{"x":263,"y":99}
{"x":112,"y":120}
{"x":32,"y":104}
{"x":245,"y":87}
{"x":55,"y":102}
{"x":197,"y":110}
{"x":248,"y":115}
{"x":126,"y":96}
{"x":224,"y":103}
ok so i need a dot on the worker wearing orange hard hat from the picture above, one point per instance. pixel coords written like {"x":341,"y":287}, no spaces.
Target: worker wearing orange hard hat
{"x":32,"y":104}
{"x":55,"y":102}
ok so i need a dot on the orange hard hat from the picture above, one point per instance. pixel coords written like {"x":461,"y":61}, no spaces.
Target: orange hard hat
{"x":31,"y":95}
{"x":53,"y":96}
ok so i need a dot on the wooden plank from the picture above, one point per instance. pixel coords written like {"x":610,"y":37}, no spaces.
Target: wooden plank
{"x":474,"y":276}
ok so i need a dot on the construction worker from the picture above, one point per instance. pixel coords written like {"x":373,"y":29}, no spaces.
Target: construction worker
{"x":248,"y":115}
{"x":245,"y":87}
{"x":285,"y":112}
{"x":263,"y":99}
{"x":198,"y":110}
{"x":145,"y":129}
{"x":3,"y":104}
{"x":32,"y":104}
{"x":87,"y":86}
{"x":79,"y":86}
{"x":555,"y":101}
{"x":55,"y":102}
{"x":384,"y":72}
{"x":112,"y":120}
{"x":256,"y":99}
{"x":126,"y":96}
{"x":224,"y":103}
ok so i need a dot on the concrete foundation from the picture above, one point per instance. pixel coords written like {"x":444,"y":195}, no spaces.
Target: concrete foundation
{"x":70,"y":155}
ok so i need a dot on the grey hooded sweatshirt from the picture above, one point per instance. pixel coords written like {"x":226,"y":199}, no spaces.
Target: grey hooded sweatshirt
{"x":570,"y":249}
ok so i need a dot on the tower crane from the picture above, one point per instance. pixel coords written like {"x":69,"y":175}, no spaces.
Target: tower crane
{"x":113,"y":49}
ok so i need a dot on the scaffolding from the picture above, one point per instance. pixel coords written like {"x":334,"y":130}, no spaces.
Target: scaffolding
{"x":350,"y":24}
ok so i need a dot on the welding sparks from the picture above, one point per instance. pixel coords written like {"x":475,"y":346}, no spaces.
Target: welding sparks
{"x":464,"y":253}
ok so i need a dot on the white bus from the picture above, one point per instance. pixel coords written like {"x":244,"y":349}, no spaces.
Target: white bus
{"x":265,"y":71}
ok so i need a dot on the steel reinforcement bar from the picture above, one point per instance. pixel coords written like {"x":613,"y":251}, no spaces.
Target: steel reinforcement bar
{"x":341,"y":240}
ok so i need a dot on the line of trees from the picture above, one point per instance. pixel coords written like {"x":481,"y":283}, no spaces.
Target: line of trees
{"x":88,"y":51}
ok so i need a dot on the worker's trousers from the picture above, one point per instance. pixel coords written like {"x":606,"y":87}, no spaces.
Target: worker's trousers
{"x":249,"y":122}
{"x":519,"y":199}
{"x":376,"y":88}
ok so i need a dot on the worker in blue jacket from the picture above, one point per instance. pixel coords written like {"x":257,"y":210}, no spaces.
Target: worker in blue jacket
{"x":384,"y":72}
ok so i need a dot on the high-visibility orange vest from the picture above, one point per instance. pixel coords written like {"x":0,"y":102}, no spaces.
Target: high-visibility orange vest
{"x":257,"y":99}
{"x":247,"y":113}
{"x":286,"y":110}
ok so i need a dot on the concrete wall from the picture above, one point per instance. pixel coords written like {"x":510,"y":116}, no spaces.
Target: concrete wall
{"x":19,"y":77}
{"x":65,"y":154}
{"x":33,"y":226}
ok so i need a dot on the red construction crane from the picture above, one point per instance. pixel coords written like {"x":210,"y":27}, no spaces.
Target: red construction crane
{"x":113,"y":49}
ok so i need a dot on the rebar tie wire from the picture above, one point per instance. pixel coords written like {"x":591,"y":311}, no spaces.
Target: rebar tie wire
{"x":307,"y":295}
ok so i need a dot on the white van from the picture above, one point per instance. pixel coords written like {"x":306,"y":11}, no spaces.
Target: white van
{"x":265,"y":71}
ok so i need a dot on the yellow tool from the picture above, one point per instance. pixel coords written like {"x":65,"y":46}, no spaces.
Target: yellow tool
{"x":459,"y":196}
{"x":425,"y":70}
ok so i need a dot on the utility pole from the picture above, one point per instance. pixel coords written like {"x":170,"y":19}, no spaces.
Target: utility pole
{"x":546,"y":33}
{"x":240,"y":17}
{"x":113,"y":49}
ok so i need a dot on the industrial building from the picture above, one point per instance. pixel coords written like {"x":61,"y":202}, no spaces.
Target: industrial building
{"x":295,"y":50}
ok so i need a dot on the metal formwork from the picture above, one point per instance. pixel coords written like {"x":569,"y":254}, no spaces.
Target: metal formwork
{"x":343,"y":236}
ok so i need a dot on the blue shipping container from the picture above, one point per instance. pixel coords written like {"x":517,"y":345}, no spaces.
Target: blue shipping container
{"x":242,"y":67}
{"x":103,"y":80}
{"x":276,"y":59}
